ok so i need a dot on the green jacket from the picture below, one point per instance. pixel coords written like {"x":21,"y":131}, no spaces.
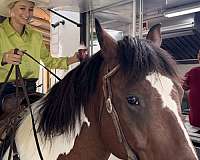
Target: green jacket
{"x":31,"y":42}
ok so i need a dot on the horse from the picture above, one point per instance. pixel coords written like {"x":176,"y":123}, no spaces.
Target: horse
{"x":124,"y":100}
{"x":154,"y":34}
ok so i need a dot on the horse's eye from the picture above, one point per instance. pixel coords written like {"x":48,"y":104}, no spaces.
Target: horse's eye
{"x":133,"y":100}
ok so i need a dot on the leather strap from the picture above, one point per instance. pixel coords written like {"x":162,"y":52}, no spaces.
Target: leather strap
{"x":20,"y":79}
{"x":107,"y":90}
{"x":13,"y":148}
{"x":11,"y":143}
{"x":15,"y":152}
{"x":30,"y":109}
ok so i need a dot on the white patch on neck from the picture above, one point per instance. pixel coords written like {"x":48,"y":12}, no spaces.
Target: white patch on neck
{"x":164,"y":86}
{"x":50,"y":149}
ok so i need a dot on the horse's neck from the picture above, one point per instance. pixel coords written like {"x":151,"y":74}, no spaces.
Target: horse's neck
{"x":88,"y":145}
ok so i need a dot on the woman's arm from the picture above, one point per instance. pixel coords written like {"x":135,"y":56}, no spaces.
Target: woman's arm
{"x":56,"y":63}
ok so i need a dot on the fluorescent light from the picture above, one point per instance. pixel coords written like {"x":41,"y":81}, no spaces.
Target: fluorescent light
{"x":182,"y":10}
{"x":179,"y":13}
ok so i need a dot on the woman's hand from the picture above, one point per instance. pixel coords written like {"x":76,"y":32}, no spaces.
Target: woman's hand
{"x":78,"y":56}
{"x":11,"y":58}
{"x":82,"y":54}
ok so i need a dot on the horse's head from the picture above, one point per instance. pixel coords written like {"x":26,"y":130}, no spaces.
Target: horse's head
{"x":141,"y":115}
{"x":124,"y":100}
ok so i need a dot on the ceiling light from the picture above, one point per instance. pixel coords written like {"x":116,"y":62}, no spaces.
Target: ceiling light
{"x":187,"y":9}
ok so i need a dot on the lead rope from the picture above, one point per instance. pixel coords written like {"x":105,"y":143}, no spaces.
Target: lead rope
{"x":112,"y":111}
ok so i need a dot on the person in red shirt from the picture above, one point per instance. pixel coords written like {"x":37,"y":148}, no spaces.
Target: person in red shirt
{"x":192,"y":83}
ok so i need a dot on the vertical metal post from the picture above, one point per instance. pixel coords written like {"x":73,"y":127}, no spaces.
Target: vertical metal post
{"x":91,"y":31}
{"x":141,"y":19}
{"x":88,"y":31}
{"x":134,"y":19}
{"x":83,"y":28}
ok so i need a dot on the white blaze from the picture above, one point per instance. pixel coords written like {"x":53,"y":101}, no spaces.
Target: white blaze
{"x":164,"y":86}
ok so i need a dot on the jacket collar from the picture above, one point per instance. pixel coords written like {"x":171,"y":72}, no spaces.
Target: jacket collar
{"x":10,"y":30}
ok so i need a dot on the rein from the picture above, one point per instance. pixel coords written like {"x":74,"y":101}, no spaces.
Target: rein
{"x":20,"y":79}
{"x":41,"y":65}
{"x":107,"y":91}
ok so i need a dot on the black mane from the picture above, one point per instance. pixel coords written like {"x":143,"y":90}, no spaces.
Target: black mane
{"x":139,"y":58}
{"x":62,"y":105}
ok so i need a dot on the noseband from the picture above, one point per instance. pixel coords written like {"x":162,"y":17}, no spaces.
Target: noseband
{"x":107,"y":91}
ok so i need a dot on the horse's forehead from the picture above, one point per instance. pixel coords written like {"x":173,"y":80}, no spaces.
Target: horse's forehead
{"x":164,"y":87}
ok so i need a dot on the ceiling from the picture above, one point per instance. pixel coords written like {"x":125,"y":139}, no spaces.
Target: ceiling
{"x":121,"y":10}
{"x":179,"y":35}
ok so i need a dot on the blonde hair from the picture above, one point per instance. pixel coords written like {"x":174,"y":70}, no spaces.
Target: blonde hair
{"x":12,"y":4}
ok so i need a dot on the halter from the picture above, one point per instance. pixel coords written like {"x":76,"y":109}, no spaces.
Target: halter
{"x":107,"y":91}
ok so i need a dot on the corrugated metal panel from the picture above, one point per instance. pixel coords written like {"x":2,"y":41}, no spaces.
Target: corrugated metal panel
{"x":184,"y":43}
{"x":184,"y":48}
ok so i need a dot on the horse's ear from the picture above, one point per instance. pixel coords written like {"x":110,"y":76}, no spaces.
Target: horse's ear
{"x":154,"y":35}
{"x":107,"y":43}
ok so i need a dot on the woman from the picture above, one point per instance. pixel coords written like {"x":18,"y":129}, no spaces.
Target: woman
{"x":16,"y":33}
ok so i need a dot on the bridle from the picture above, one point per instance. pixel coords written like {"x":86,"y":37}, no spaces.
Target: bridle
{"x":107,"y":91}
